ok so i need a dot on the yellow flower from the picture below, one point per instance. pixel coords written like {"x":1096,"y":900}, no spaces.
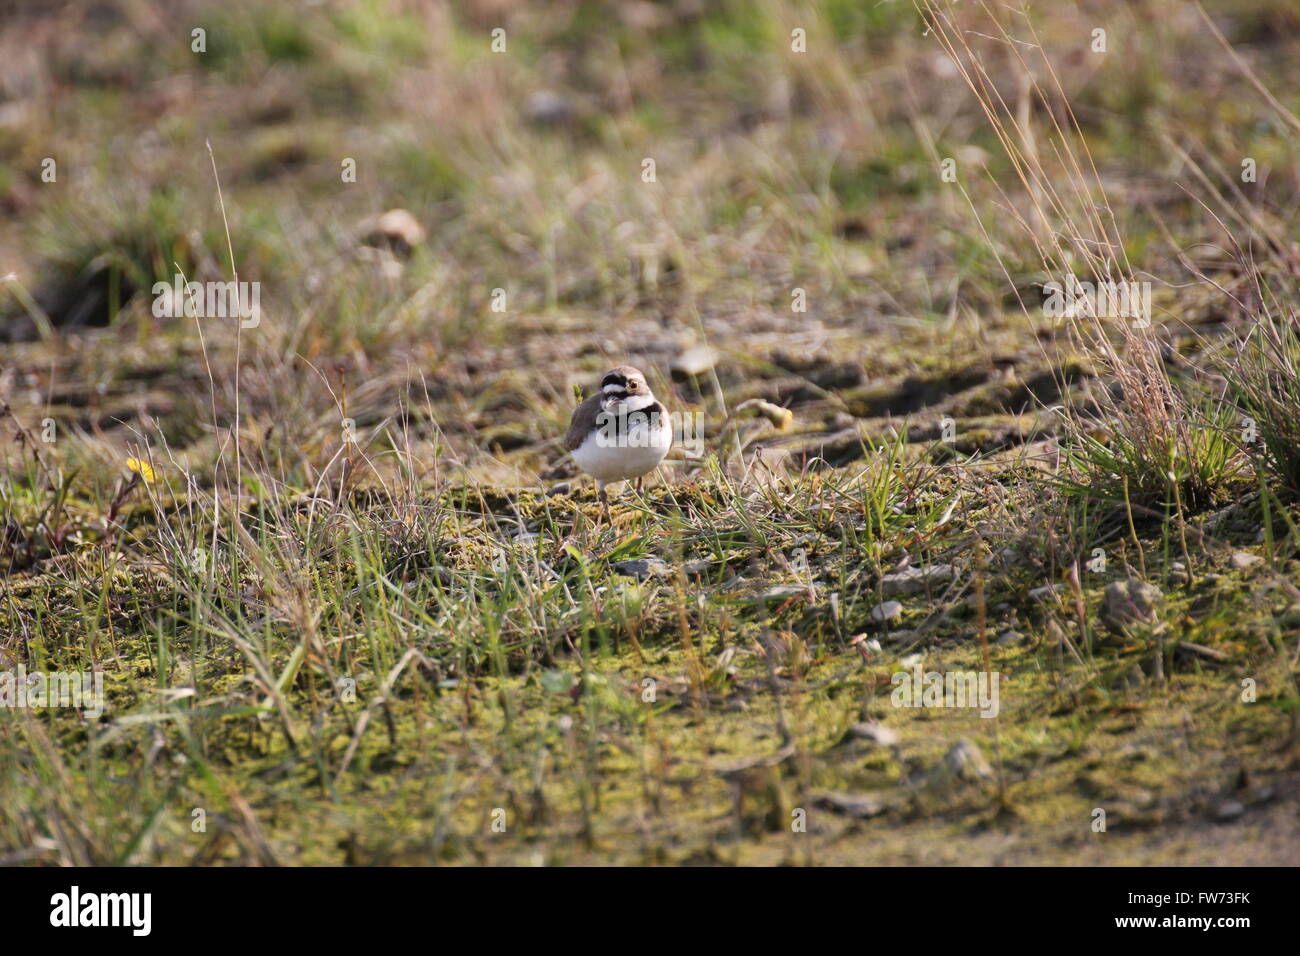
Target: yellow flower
{"x":141,"y":468}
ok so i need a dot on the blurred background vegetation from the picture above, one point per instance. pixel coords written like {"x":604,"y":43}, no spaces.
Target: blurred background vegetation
{"x":776,"y":169}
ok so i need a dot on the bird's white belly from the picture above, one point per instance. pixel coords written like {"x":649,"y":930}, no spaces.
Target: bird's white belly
{"x":636,"y":454}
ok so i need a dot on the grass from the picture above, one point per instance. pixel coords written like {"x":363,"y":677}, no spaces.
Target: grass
{"x":1150,"y":446}
{"x":360,"y":608}
{"x":1263,"y":382}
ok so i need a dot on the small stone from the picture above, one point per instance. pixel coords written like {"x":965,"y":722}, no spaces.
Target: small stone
{"x":548,"y":108}
{"x":1010,"y":636}
{"x":1241,"y":560}
{"x":397,"y":229}
{"x":1229,"y":810}
{"x":963,"y":762}
{"x":839,"y":421}
{"x":561,"y":488}
{"x":856,"y":805}
{"x":915,"y":580}
{"x":886,"y":612}
{"x":696,"y":360}
{"x":867,"y":647}
{"x":644,"y":568}
{"x":1040,"y":594}
{"x":966,"y":762}
{"x":874,"y":732}
{"x":697,"y":567}
{"x":1128,"y":604}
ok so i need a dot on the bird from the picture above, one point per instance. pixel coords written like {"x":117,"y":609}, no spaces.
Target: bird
{"x":621,"y":432}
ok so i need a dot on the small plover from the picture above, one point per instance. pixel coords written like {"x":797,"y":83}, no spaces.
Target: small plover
{"x":621,"y":432}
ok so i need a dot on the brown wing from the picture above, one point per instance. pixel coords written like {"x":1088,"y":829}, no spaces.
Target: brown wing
{"x":584,"y":419}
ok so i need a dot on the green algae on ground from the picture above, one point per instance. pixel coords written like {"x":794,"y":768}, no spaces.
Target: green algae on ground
{"x":709,"y":737}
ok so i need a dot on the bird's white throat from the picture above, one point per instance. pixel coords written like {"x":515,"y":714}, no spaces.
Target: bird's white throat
{"x":633,"y":403}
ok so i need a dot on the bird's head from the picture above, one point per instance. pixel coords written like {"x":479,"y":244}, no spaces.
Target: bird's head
{"x":624,"y":389}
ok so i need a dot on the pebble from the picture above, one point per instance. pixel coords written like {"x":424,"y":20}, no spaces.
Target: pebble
{"x":696,"y":360}
{"x":783,"y":592}
{"x":1229,"y":810}
{"x":396,"y":228}
{"x":966,"y":761}
{"x":856,"y":805}
{"x":1040,"y":594}
{"x":643,"y":568}
{"x":1128,"y":603}
{"x":876,"y":733}
{"x":1241,"y":560}
{"x":915,"y":580}
{"x":548,"y":108}
{"x":886,"y":612}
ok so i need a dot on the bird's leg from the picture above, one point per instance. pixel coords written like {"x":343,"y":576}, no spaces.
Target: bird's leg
{"x":638,"y":485}
{"x":604,"y":501}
